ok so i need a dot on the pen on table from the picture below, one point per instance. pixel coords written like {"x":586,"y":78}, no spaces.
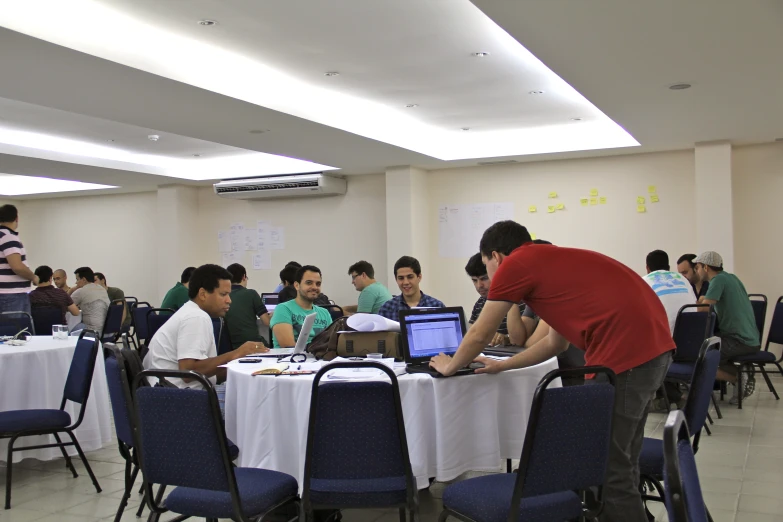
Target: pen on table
{"x":299,"y":367}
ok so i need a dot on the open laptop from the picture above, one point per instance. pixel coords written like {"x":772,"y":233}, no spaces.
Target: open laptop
{"x":301,"y":341}
{"x":270,"y":301}
{"x":428,"y":332}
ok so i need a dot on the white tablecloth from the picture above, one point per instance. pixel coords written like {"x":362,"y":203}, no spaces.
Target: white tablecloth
{"x":453,"y":425}
{"x":33,"y":377}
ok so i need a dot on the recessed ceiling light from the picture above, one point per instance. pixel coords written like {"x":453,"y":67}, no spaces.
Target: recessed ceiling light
{"x":259,"y":131}
{"x":412,"y":105}
{"x":331,"y":73}
{"x":680,"y":86}
{"x":207,"y":23}
{"x":535,"y":92}
{"x":197,"y":155}
{"x":465,"y":128}
{"x":480,"y":54}
{"x":576,"y":119}
{"x":111,"y":141}
{"x":153,"y":137}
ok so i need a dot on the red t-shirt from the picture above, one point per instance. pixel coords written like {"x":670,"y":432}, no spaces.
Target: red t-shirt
{"x":597,"y":303}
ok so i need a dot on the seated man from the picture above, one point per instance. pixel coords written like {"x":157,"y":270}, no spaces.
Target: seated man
{"x":91,"y":299}
{"x":46,"y":295}
{"x":177,"y":295}
{"x":187,"y":340}
{"x":687,"y":269}
{"x":246,"y":308}
{"x":372,"y":294}
{"x":115,"y":294}
{"x":285,"y":282}
{"x":289,"y":317}
{"x":738,"y":333}
{"x":407,"y":273}
{"x":61,"y":280}
{"x":672,"y":289}
{"x":287,"y":278}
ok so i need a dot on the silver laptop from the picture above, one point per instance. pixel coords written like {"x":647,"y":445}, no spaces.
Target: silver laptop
{"x":301,"y":342}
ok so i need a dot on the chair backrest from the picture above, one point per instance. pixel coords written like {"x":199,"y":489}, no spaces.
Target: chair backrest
{"x":139,"y":314}
{"x":775,"y":334}
{"x":759,"y":304}
{"x":568,"y":433}
{"x":334,"y":310}
{"x":113,"y":323}
{"x":702,"y":383}
{"x":694,"y":324}
{"x":180,"y":437}
{"x":44,"y":317}
{"x":16,"y":321}
{"x":684,"y":500}
{"x":369,"y":414}
{"x":79,"y":380}
{"x":156,"y":317}
{"x":222,"y":339}
{"x":118,"y":381}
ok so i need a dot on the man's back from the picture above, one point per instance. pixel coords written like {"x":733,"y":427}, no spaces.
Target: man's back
{"x":372,"y":297}
{"x":50,"y":297}
{"x":735,"y":313}
{"x":93,"y":301}
{"x":176,"y":297}
{"x":673,"y":290}
{"x":246,"y":308}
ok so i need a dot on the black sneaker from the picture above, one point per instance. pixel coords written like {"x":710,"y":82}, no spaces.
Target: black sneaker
{"x":750,"y":386}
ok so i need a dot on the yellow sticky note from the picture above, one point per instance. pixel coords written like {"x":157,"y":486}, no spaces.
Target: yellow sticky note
{"x":651,"y":189}
{"x":640,"y":200}
{"x":560,"y":206}
{"x":593,"y":192}
{"x":603,"y":200}
{"x":583,"y":201}
{"x":593,"y":201}
{"x":641,"y":208}
{"x":654,"y":199}
{"x":550,"y":209}
{"x":552,"y":195}
{"x":532,"y":208}
{"x":533,"y":236}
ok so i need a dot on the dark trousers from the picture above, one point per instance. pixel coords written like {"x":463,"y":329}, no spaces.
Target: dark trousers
{"x":635,"y":388}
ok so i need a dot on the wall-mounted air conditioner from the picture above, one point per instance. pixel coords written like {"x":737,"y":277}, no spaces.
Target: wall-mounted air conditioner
{"x":282,"y":186}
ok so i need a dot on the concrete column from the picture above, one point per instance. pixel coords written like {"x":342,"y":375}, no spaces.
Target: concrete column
{"x":176,"y":244}
{"x":407,"y":223}
{"x":714,"y":214}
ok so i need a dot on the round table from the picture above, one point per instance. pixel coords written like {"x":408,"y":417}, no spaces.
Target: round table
{"x":454,"y":425}
{"x":33,"y":376}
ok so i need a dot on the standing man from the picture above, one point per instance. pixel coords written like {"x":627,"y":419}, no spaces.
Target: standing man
{"x":61,"y":280}
{"x":15,"y":275}
{"x":178,"y":294}
{"x":246,"y":308}
{"x":372,"y":294}
{"x":599,"y":305}
{"x":687,"y":269}
{"x":289,"y":317}
{"x":407,"y":273}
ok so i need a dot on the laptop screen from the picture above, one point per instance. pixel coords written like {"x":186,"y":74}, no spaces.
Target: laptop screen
{"x":270,"y":300}
{"x":437,"y":331}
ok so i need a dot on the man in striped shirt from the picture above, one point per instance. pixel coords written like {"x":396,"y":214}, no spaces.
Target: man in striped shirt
{"x":15,"y":276}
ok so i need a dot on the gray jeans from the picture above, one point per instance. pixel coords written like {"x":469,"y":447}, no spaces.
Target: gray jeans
{"x":635,"y":388}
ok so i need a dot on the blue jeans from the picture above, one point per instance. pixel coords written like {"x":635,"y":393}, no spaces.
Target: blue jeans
{"x":15,"y":302}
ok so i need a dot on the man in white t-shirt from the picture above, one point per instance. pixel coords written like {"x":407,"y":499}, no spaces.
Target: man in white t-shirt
{"x":672,"y":289}
{"x":187,"y":340}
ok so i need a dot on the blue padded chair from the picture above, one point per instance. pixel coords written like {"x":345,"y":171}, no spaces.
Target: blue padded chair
{"x":695,"y":412}
{"x":44,"y":317}
{"x":374,"y":470}
{"x":763,"y":357}
{"x":334,"y":310}
{"x":156,"y":317}
{"x":181,"y":441}
{"x":139,"y":322}
{"x":222,"y":339}
{"x":11,"y":323}
{"x":112,"y":325}
{"x":23,"y":423}
{"x":558,"y":464}
{"x":130,"y":328}
{"x":684,"y":501}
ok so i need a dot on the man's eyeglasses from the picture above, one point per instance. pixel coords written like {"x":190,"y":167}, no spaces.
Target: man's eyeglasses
{"x":354,"y":276}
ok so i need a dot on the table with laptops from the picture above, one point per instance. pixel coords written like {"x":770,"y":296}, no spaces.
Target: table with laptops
{"x":453,"y":425}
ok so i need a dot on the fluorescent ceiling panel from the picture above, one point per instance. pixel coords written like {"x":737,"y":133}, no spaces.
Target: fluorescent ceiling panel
{"x":13,"y":185}
{"x":94,"y":28}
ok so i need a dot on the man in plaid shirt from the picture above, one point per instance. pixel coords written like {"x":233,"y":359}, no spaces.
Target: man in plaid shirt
{"x":407,"y":273}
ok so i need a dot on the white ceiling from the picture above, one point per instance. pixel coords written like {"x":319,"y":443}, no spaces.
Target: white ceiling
{"x":619,"y":55}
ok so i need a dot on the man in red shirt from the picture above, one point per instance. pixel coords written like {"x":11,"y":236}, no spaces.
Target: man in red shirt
{"x":600,"y":306}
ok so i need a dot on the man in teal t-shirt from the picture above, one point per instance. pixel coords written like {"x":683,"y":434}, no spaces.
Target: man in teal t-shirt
{"x":738,"y":332}
{"x":288,"y":317}
{"x":372,"y":293}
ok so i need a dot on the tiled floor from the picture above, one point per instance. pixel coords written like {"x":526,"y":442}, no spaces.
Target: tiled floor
{"x":740,"y":466}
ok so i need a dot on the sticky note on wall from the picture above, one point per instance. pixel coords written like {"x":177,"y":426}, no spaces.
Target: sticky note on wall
{"x":594,"y":192}
{"x":532,"y":208}
{"x":651,"y":189}
{"x":641,"y":209}
{"x":550,"y":209}
{"x":603,"y":200}
{"x":560,"y":206}
{"x":533,"y":236}
{"x":552,"y":195}
{"x":654,"y":199}
{"x":593,"y":201}
{"x":583,"y":201}
{"x":640,"y":200}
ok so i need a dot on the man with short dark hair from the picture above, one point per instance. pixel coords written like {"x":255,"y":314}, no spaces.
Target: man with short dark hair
{"x":289,"y":317}
{"x":15,"y":274}
{"x":672,"y":289}
{"x":285,"y":282}
{"x":738,"y":332}
{"x":60,"y":279}
{"x":178,"y":294}
{"x":287,"y":279}
{"x":246,"y":308}
{"x":187,"y":340}
{"x":115,"y":294}
{"x":46,"y":295}
{"x":407,"y":273}
{"x":91,"y":299}
{"x":687,"y":269}
{"x":372,"y":294}
{"x":599,"y":305}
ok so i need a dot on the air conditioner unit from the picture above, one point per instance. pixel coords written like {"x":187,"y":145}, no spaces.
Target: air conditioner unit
{"x":282,"y":186}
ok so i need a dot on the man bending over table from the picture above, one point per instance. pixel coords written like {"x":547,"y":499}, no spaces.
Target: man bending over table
{"x":599,"y":305}
{"x":187,"y":340}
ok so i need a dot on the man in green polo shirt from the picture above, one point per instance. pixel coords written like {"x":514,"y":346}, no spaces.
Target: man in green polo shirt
{"x":246,"y":308}
{"x":289,"y":317}
{"x":178,"y":295}
{"x":737,"y":328}
{"x":372,"y":294}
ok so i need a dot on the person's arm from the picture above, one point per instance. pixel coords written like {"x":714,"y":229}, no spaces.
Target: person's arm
{"x":74,"y":309}
{"x":350,"y":309}
{"x":541,"y":331}
{"x":703,"y":300}
{"x":517,"y":331}
{"x":265,"y":318}
{"x":209,"y":367}
{"x":260,"y":310}
{"x":20,"y":269}
{"x":284,"y":333}
{"x":475,"y":340}
{"x":545,"y":349}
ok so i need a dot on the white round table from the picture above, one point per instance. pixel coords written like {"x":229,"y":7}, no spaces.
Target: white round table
{"x":33,"y":376}
{"x":453,"y":425}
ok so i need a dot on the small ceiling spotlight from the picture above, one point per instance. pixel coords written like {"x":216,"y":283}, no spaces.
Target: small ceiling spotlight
{"x":259,"y":131}
{"x":197,"y":155}
{"x":535,"y":92}
{"x":207,"y":23}
{"x":411,"y":105}
{"x":153,"y":137}
{"x":479,"y":54}
{"x":680,"y":86}
{"x":331,"y":73}
{"x":576,"y":119}
{"x":465,"y":128}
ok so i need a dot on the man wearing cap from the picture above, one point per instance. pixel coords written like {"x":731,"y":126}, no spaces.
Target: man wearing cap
{"x":738,"y":332}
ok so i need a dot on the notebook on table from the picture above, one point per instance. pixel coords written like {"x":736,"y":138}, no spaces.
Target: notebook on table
{"x":428,"y":332}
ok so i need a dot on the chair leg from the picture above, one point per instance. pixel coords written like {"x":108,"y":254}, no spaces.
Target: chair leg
{"x":709,"y":516}
{"x":84,"y":461}
{"x":141,"y":506}
{"x":402,"y":515}
{"x":769,"y":383}
{"x":443,"y":515}
{"x":68,"y":463}
{"x":707,"y":429}
{"x":508,"y":465}
{"x":130,"y":478}
{"x":665,"y":397}
{"x":717,"y":408}
{"x":9,"y":466}
{"x":740,"y":389}
{"x":709,"y":418}
{"x":780,"y":368}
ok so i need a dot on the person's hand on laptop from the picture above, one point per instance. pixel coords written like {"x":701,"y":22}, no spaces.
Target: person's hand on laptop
{"x":251,"y":347}
{"x":490,"y":365}
{"x":440,"y":363}
{"x":499,"y":340}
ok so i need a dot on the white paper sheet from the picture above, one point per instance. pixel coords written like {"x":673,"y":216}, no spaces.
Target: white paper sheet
{"x":224,"y":241}
{"x":251,"y":239}
{"x":277,"y":238}
{"x":262,"y":234}
{"x":229,"y":258}
{"x":372,"y":323}
{"x":262,"y":260}
{"x":460,"y":227}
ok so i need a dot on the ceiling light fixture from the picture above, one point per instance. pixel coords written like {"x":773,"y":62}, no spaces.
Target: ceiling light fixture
{"x":479,"y":54}
{"x":680,"y":86}
{"x":411,"y":105}
{"x":535,"y":92}
{"x":259,"y":131}
{"x":13,"y":185}
{"x":110,"y":141}
{"x":331,"y":73}
{"x":153,"y":137}
{"x":207,"y":23}
{"x":197,"y":155}
{"x":465,"y":128}
{"x":576,"y":119}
